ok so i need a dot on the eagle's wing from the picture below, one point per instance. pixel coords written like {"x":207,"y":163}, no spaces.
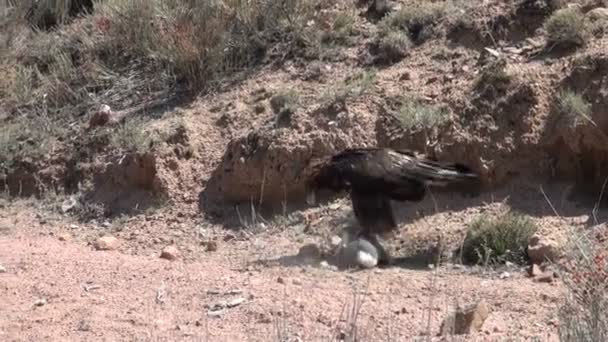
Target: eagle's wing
{"x":406,"y":166}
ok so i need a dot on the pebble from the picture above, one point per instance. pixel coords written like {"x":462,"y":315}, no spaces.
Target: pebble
{"x":106,"y":243}
{"x":170,"y":253}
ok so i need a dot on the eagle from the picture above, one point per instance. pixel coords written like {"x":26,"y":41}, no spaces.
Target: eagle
{"x":374,"y":176}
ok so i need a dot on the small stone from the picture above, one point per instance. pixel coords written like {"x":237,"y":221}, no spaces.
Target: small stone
{"x":64,"y":237}
{"x":215,"y":313}
{"x":2,"y":269}
{"x":504,"y":275}
{"x":40,"y":302}
{"x":169,"y":253}
{"x":297,"y":282}
{"x":309,"y":252}
{"x":335,"y":241}
{"x":466,"y":320}
{"x":280,"y":280}
{"x":211,"y":246}
{"x":235,"y":302}
{"x":106,"y":243}
{"x":545,"y":277}
{"x":68,"y":204}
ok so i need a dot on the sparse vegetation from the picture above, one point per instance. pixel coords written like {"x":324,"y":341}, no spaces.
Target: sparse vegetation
{"x":417,"y":19}
{"x":352,"y":87}
{"x":584,"y":314}
{"x":566,"y":27}
{"x":342,"y":28}
{"x":131,"y":137}
{"x":284,"y":105}
{"x":393,"y":46}
{"x":415,"y":114}
{"x":573,"y":106}
{"x":497,"y":240}
{"x":493,"y":76}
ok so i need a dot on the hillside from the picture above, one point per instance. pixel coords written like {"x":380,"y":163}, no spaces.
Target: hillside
{"x":153,"y":157}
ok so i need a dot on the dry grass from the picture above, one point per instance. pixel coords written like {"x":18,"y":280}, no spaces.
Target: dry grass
{"x":414,"y":114}
{"x":584,"y":314}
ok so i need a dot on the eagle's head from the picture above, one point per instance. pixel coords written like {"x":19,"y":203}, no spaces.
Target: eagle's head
{"x":322,"y":175}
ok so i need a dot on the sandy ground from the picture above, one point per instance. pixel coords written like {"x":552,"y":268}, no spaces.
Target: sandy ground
{"x":66,"y":290}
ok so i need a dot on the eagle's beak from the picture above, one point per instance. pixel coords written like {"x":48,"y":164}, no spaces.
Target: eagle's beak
{"x":311,"y":198}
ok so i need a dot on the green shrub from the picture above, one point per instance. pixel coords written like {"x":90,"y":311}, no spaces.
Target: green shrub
{"x":566,"y":27}
{"x":498,"y":240}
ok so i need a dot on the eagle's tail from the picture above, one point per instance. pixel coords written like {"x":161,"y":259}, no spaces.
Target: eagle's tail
{"x":434,"y":173}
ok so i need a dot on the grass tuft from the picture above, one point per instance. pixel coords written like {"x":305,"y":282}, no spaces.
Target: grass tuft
{"x":573,"y":106}
{"x":415,"y":114}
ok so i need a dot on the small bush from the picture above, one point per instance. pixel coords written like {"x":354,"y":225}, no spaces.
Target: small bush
{"x":415,"y":114}
{"x":573,"y":106}
{"x":417,"y":19}
{"x":584,"y":314}
{"x":566,"y":27}
{"x":491,"y":241}
{"x":393,"y":46}
{"x":342,"y":28}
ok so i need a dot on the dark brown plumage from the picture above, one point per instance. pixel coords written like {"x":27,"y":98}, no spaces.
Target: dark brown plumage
{"x":375,"y":176}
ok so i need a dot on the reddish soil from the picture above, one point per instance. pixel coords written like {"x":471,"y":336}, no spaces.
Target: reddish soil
{"x":230,"y":155}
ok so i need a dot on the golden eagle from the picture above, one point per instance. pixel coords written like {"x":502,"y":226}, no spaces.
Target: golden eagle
{"x":375,"y":176}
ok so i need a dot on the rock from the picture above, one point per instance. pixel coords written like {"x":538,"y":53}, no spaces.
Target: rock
{"x":309,"y":252}
{"x":599,"y":13}
{"x":545,"y":277}
{"x":64,"y":237}
{"x":235,"y":302}
{"x":211,"y":246}
{"x":169,"y":253}
{"x":69,"y":204}
{"x":106,"y":243}
{"x":2,"y":269}
{"x":505,"y":275}
{"x":335,"y":241}
{"x":541,"y":249}
{"x":465,"y":320}
{"x":40,"y":302}
{"x":280,"y":280}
